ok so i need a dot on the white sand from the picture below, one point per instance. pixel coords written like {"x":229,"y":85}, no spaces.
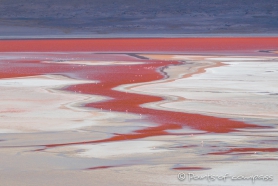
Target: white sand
{"x":241,"y":89}
{"x":113,"y":149}
{"x":32,"y":104}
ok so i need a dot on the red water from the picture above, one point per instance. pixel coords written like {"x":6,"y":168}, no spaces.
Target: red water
{"x":139,"y":45}
{"x":113,"y":76}
{"x":245,"y":150}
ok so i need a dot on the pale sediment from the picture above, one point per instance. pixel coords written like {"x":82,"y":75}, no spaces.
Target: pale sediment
{"x":237,"y":87}
{"x":37,"y":103}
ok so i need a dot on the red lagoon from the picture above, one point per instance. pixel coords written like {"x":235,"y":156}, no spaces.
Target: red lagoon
{"x":140,"y":44}
{"x":111,"y":76}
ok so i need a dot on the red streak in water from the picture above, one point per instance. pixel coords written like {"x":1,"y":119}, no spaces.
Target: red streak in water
{"x":187,"y":146}
{"x":100,"y":167}
{"x":246,"y":150}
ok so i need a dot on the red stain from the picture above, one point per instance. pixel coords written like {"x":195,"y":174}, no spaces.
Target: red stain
{"x":191,"y":168}
{"x":245,"y":150}
{"x":100,"y":167}
{"x":187,"y":146}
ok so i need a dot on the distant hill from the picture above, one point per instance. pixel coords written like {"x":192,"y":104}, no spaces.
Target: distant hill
{"x":101,"y":17}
